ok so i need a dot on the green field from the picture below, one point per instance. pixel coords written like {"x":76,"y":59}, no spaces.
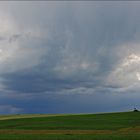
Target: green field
{"x":109,"y":126}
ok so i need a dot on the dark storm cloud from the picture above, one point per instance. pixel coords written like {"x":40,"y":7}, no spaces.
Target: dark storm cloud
{"x":67,"y":53}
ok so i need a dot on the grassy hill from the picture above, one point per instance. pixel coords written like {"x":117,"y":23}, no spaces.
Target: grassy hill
{"x":108,"y":126}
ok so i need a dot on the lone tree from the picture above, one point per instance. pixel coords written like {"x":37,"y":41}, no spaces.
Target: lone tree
{"x":135,"y":110}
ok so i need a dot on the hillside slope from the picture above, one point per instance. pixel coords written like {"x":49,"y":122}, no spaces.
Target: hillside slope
{"x":108,"y":121}
{"x":109,"y":126}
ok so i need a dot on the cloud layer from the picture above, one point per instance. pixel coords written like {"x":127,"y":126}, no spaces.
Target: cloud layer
{"x":58,"y":57}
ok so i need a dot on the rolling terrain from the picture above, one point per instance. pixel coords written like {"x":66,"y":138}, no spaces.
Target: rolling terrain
{"x":108,"y":126}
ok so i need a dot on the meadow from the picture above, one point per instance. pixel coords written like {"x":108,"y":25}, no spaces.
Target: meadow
{"x":107,"y":126}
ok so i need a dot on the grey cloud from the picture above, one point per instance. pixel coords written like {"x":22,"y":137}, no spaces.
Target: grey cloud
{"x":90,"y":41}
{"x":9,"y":109}
{"x":14,"y":37}
{"x":70,"y":48}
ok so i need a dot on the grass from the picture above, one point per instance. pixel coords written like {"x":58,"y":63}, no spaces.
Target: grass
{"x":111,"y":121}
{"x":109,"y":126}
{"x":70,"y":137}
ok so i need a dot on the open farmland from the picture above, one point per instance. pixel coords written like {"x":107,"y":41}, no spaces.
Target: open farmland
{"x":108,"y":126}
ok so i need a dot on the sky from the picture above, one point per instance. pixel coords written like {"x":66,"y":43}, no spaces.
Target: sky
{"x":69,"y":56}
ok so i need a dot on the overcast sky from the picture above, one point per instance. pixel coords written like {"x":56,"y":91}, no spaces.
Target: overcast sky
{"x":69,"y":57}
